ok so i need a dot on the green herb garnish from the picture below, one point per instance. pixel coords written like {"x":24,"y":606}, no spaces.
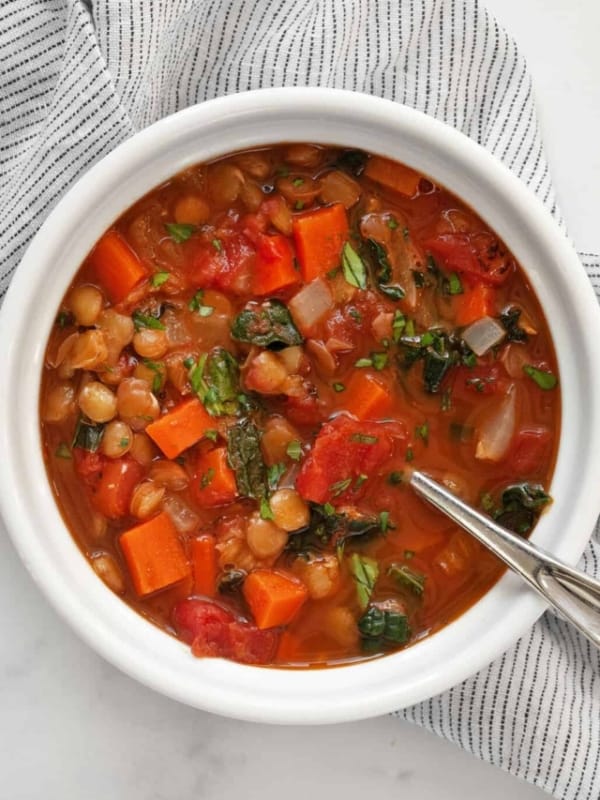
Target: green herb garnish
{"x":353,"y":267}
{"x":266,"y":325}
{"x":215,"y":379}
{"x":159,"y":278}
{"x":363,"y":438}
{"x":365,"y":572}
{"x":179,"y":232}
{"x":141,"y":320}
{"x":338,"y":387}
{"x":63,"y":451}
{"x":380,"y":626}
{"x":415,"y":581}
{"x":198,"y":306}
{"x":545,"y":380}
{"x":294,"y":450}
{"x":274,"y":473}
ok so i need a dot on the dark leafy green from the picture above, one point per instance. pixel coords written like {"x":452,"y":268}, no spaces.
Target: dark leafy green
{"x":352,"y":161}
{"x":509,"y":318}
{"x":245,"y":458}
{"x":268,"y":324}
{"x":382,"y":270}
{"x":382,"y":626}
{"x":520,"y":506}
{"x":216,"y":381}
{"x":231,"y":581}
{"x":438,"y":351}
{"x":88,"y":435}
{"x":329,"y":529}
{"x":408,"y":578}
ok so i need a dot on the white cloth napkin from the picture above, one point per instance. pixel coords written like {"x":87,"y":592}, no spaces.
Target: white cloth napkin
{"x":79,"y":77}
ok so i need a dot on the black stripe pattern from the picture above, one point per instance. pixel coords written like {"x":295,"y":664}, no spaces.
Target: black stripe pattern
{"x":79,"y":77}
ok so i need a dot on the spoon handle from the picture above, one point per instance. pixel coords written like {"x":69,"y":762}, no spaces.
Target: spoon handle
{"x":571,"y":592}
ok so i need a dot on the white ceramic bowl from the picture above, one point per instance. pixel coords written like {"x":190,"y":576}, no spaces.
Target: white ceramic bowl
{"x":214,"y":129}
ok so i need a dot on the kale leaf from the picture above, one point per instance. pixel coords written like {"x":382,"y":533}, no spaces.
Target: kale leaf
{"x":268,"y":324}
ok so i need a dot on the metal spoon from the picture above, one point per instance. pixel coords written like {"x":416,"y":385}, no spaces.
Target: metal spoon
{"x":571,"y":592}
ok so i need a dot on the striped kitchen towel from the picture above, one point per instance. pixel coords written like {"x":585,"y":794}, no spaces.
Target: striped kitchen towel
{"x":79,"y":77}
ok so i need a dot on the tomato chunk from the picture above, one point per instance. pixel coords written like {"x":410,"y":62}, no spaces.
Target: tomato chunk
{"x":530,"y":451}
{"x":345,"y":456}
{"x":274,"y":269}
{"x":214,"y":632}
{"x":480,"y":255}
{"x":113,"y":492}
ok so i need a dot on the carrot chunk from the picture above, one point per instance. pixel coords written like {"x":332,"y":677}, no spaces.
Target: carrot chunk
{"x":367,"y":397}
{"x":274,"y":269}
{"x":204,"y":565}
{"x":395,"y":176}
{"x":154,"y":555}
{"x":214,"y":481}
{"x":181,"y":427}
{"x":319,"y":237}
{"x":274,"y":598}
{"x":474,"y":304}
{"x":117,"y":267}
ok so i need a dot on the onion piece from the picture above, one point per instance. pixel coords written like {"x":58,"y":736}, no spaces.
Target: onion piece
{"x":498,"y":428}
{"x":183,"y":517}
{"x":310,"y":304}
{"x":322,"y":356}
{"x":484,"y":334}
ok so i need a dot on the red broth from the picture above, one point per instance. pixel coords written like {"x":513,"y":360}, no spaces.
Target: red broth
{"x":242,"y":375}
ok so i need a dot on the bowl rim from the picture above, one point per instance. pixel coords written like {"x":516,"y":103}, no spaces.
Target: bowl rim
{"x":353,"y":691}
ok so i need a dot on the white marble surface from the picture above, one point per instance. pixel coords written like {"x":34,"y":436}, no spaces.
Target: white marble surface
{"x":71,"y":726}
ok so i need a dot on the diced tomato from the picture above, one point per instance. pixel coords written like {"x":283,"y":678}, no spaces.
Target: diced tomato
{"x":191,"y":616}
{"x":226,"y":263}
{"x":530,"y":450}
{"x":480,"y":255}
{"x":274,"y":268}
{"x":467,"y":382}
{"x":345,"y":455}
{"x":216,"y":633}
{"x":115,"y":486}
{"x":304,"y":409}
{"x":88,"y":465}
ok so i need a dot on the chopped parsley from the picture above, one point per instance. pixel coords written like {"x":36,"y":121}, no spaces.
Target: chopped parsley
{"x":545,"y":380}
{"x":266,"y":512}
{"x":217,"y":244}
{"x":274,"y":473}
{"x":339,"y":487}
{"x":355,"y":271}
{"x":198,"y":306}
{"x":422,"y":431}
{"x":338,"y":387}
{"x":206,"y":479}
{"x":407,"y":577}
{"x":63,"y":451}
{"x":179,"y":232}
{"x":159,"y":278}
{"x":294,"y":450}
{"x":141,"y":320}
{"x":365,"y":572}
{"x":363,"y":438}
